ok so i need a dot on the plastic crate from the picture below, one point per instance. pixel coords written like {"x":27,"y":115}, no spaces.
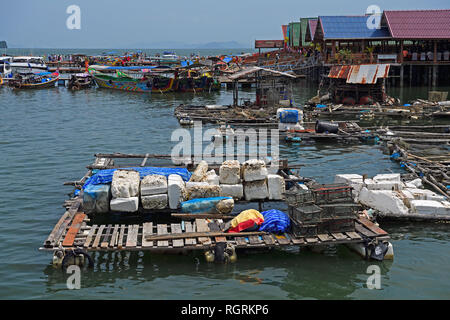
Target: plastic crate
{"x":337,"y":226}
{"x":304,"y":230}
{"x":340,"y":211}
{"x":332,"y":193}
{"x":308,"y":213}
{"x":298,"y":197}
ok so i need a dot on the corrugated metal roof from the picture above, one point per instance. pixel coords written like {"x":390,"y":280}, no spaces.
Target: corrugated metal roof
{"x":247,"y":71}
{"x":418,"y":24}
{"x":339,"y":72}
{"x":360,"y":74}
{"x":350,"y":27}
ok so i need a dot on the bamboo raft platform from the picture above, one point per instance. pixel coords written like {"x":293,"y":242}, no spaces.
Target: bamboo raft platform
{"x":73,"y":231}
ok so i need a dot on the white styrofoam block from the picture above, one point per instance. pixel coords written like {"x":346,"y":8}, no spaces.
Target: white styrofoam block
{"x":417,"y":182}
{"x":254,"y":170}
{"x":96,"y":198}
{"x":276,"y":186}
{"x":230,"y":172}
{"x":130,"y":204}
{"x":176,"y":190}
{"x":425,"y":194}
{"x":153,"y":184}
{"x":235,"y":191}
{"x":155,"y":201}
{"x":199,"y":190}
{"x":303,"y":186}
{"x":348,"y":178}
{"x":384,"y":201}
{"x":382,"y":185}
{"x":199,"y":174}
{"x":430,"y":207}
{"x":256,"y":190}
{"x":212,"y":178}
{"x":391,"y":177}
{"x":125,"y":184}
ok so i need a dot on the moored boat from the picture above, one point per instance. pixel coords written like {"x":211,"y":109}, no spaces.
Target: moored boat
{"x":34,"y":81}
{"x":80,"y":81}
{"x":122,"y":82}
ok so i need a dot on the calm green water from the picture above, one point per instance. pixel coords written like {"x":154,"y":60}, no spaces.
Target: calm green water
{"x":49,"y":136}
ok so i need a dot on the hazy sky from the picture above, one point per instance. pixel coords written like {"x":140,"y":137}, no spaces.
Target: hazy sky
{"x":139,"y":23}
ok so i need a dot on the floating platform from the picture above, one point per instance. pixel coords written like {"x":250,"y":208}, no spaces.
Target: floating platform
{"x":73,"y":231}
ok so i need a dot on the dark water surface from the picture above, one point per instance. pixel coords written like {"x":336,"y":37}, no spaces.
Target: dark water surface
{"x":49,"y":136}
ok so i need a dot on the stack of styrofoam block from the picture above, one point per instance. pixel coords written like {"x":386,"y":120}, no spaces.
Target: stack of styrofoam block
{"x":96,"y":198}
{"x":386,"y":182}
{"x":125,"y":191}
{"x":176,"y":190}
{"x":276,"y":186}
{"x":430,"y":207}
{"x":385,"y":201}
{"x":254,"y":174}
{"x":353,"y":180}
{"x":154,"y":192}
{"x":196,"y":190}
{"x":230,"y":179}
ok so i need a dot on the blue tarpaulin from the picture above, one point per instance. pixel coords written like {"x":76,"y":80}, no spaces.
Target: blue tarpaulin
{"x":227,"y":59}
{"x":275,"y":221}
{"x":186,"y":63}
{"x":105,"y":176}
{"x":289,"y":116}
{"x":203,"y":205}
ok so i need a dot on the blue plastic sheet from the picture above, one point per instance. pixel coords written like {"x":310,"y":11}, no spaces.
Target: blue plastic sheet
{"x":395,"y":155}
{"x":289,"y":116}
{"x":321,"y":106}
{"x":204,"y":205}
{"x":275,"y":221}
{"x":105,"y":176}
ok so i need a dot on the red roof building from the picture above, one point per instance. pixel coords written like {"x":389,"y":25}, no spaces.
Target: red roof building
{"x":418,"y":24}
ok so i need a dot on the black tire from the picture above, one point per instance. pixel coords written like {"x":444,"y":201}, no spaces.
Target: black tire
{"x":73,"y":254}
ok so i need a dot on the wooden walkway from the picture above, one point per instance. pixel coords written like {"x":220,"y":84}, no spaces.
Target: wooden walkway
{"x":73,"y":231}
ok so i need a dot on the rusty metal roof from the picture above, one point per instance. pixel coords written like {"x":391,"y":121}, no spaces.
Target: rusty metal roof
{"x":360,"y":74}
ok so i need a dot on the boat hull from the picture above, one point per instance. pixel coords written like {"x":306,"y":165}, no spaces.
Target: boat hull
{"x":43,"y":85}
{"x":124,"y":85}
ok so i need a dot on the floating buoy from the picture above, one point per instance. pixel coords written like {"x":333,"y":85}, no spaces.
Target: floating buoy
{"x":221,"y":253}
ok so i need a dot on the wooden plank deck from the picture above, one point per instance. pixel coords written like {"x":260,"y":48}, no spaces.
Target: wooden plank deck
{"x":178,"y":236}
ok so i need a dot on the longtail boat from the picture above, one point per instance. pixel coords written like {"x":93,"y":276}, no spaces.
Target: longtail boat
{"x":123,"y":82}
{"x":35,"y":81}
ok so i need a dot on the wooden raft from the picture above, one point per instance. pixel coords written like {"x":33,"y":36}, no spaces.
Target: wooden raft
{"x":200,"y":234}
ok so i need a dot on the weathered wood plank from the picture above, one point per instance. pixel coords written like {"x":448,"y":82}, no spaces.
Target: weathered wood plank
{"x":202,"y":226}
{"x":254,"y":240}
{"x":324,"y":237}
{"x":339,"y":236}
{"x":106,"y":238}
{"x":176,"y":229}
{"x":89,"y":236}
{"x":98,"y":236}
{"x":112,"y":242}
{"x":121,"y":236}
{"x":372,"y":226}
{"x":268,"y":239}
{"x":241,"y":241}
{"x":214,"y":226}
{"x":312,"y":240}
{"x":282,"y":239}
{"x":162,"y":230}
{"x":189,"y":227}
{"x":353,"y":235}
{"x":132,"y":236}
{"x":73,"y":230}
{"x":366,"y":232}
{"x":298,"y":241}
{"x":147,"y":229}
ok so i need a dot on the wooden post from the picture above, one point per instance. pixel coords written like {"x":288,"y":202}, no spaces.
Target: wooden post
{"x":402,"y":72}
{"x":435,"y":52}
{"x":401,"y":51}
